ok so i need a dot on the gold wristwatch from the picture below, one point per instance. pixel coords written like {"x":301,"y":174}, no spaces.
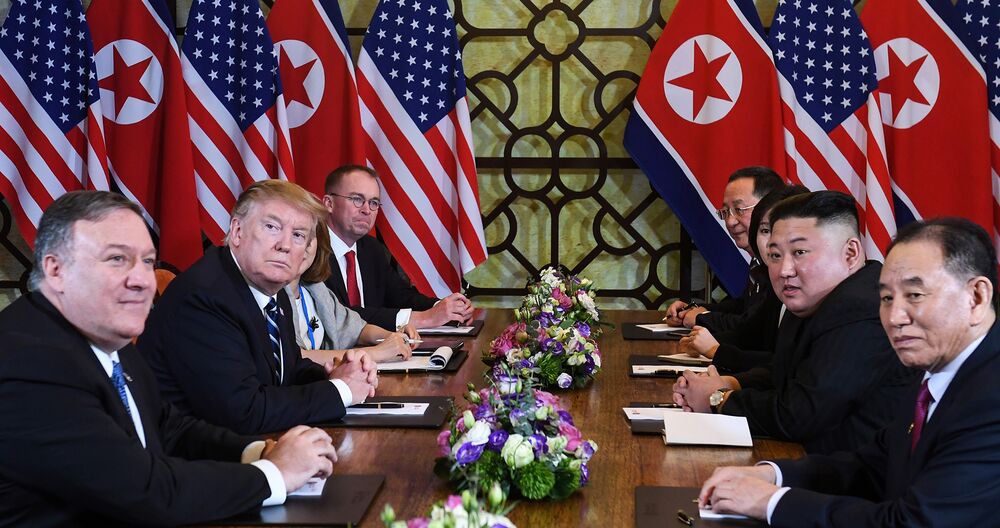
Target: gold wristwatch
{"x":716,"y":398}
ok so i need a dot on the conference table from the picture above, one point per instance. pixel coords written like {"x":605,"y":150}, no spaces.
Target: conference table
{"x":624,"y":461}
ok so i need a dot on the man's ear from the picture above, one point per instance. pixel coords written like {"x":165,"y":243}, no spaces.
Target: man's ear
{"x":235,"y":232}
{"x":854,"y":253}
{"x":53,"y":273}
{"x":328,"y":202}
{"x":981,"y":290}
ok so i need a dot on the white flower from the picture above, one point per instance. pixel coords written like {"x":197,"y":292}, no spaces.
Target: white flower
{"x":479,"y":434}
{"x":517,"y":452}
{"x":564,"y":380}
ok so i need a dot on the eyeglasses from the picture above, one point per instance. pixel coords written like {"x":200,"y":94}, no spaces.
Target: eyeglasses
{"x":738,"y":212}
{"x":359,"y":201}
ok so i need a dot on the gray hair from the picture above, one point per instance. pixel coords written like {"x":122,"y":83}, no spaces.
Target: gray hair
{"x":55,"y":230}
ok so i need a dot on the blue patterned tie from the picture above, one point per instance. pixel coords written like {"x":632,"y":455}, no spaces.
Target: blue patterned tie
{"x":271,"y":311}
{"x":118,"y":378}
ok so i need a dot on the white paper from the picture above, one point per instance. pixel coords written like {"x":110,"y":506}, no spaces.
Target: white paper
{"x":684,"y":357}
{"x":408,"y":409}
{"x":449,"y":330}
{"x":658,"y":327}
{"x":312,"y":488}
{"x":647,"y":413}
{"x":665,"y":369}
{"x":711,"y":515}
{"x":686,"y":428}
{"x":436,"y":361}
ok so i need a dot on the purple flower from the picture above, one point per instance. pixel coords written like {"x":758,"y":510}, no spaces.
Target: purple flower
{"x":453,"y":501}
{"x":443,"y":445}
{"x":484,"y":411}
{"x":584,"y":329}
{"x":566,"y":417}
{"x":584,"y":474}
{"x":419,"y":522}
{"x":564,"y":381}
{"x":497,"y":439}
{"x":539,"y":444}
{"x":589,"y":367}
{"x":526,"y":364}
{"x":588,"y":450}
{"x":516,"y":415}
{"x":469,"y":453}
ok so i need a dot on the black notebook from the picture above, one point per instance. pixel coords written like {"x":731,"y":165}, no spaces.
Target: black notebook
{"x":656,"y":507}
{"x":344,"y":502}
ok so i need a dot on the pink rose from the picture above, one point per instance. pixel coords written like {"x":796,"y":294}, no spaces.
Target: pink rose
{"x":547,"y":398}
{"x":505,"y":341}
{"x":454,"y":501}
{"x":564,"y":301}
{"x":572,"y":435}
{"x":419,"y":522}
{"x":444,"y":438}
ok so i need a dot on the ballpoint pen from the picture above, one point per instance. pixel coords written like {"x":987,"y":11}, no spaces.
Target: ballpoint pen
{"x":684,"y":518}
{"x":666,"y":406}
{"x":406,"y":340}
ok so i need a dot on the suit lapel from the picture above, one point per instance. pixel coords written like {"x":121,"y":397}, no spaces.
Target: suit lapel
{"x":289,"y":347}
{"x":147,"y":409}
{"x":251,"y":313}
{"x":336,"y":281}
{"x":369,"y":284}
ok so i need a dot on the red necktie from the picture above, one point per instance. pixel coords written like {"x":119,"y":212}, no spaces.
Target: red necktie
{"x":924,"y":400}
{"x":353,"y":294}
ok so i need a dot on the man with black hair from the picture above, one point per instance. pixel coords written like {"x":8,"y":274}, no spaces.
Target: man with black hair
{"x":833,"y":380}
{"x":745,"y":188}
{"x":937,"y":463}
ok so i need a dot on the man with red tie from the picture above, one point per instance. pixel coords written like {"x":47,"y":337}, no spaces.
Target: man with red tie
{"x":939,"y":463}
{"x":364,"y":276}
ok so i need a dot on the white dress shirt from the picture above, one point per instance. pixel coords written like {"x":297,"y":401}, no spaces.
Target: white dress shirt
{"x":340,"y":249}
{"x":937,"y":384}
{"x":251,"y":453}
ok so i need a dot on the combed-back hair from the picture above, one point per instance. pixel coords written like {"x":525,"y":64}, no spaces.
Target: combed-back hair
{"x":764,"y":179}
{"x":967,"y":248}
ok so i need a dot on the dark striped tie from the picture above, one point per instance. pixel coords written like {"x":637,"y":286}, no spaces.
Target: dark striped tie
{"x":118,"y":379}
{"x":272,"y":316}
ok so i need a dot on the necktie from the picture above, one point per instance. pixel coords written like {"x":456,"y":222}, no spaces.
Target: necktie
{"x":273,"y":317}
{"x":924,"y":400}
{"x":118,"y":379}
{"x":353,"y":293}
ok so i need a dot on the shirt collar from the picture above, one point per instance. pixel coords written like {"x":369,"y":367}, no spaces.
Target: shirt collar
{"x":937,"y":383}
{"x":338,"y":246}
{"x":107,"y":359}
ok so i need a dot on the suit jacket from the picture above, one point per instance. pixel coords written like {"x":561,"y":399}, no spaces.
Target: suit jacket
{"x":834,"y":380}
{"x":951,"y":479}
{"x":385,"y":290}
{"x":69,"y":453}
{"x":207,"y":341}
{"x":341,"y":326}
{"x":729,"y":313}
{"x":750,"y":343}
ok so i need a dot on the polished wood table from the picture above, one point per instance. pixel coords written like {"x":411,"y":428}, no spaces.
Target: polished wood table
{"x":623,"y":461}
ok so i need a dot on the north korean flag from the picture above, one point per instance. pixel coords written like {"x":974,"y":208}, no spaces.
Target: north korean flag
{"x":145,"y":120}
{"x":932,"y":97}
{"x":707,"y":105}
{"x":321,"y":96}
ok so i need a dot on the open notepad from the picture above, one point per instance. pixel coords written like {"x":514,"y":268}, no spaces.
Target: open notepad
{"x":407,"y":409}
{"x":661,"y":327}
{"x":438,"y":360}
{"x":685,"y":428}
{"x":665,"y":370}
{"x":447,"y":330}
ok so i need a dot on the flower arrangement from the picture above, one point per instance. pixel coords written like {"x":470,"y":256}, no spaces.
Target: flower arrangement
{"x":561,"y":356}
{"x":465,"y":511}
{"x":516,"y":436}
{"x":557,"y":297}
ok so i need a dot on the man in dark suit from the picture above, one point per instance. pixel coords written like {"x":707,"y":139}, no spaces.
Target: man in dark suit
{"x":833,"y":381}
{"x":221,"y":339}
{"x":746,"y":187}
{"x":85,"y":438}
{"x":938,"y":464}
{"x":364,"y":275}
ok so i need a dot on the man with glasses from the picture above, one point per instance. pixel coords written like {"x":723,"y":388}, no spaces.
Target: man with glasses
{"x":364,"y":275}
{"x":745,"y":188}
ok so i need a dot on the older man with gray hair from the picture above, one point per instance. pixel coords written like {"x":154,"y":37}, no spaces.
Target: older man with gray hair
{"x":85,"y":438}
{"x":221,"y":339}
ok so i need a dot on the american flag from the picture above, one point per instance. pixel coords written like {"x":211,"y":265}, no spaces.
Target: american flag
{"x":833,"y":131}
{"x":415,"y":113}
{"x":51,"y":140}
{"x":981,"y":19}
{"x":235,"y":104}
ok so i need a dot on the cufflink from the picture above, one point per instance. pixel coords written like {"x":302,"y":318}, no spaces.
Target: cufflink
{"x":909,"y":430}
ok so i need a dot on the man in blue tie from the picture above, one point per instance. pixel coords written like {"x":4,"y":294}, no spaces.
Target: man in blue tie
{"x":85,"y":438}
{"x":221,"y":340}
{"x":939,"y":463}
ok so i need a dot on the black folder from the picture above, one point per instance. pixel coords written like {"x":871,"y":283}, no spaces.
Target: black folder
{"x":632,"y":331}
{"x":433,"y":418}
{"x":656,"y":507}
{"x":477,"y":326}
{"x":455,"y":363}
{"x":344,"y":502}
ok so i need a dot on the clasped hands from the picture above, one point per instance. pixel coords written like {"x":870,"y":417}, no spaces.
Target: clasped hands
{"x":358,"y":371}
{"x":679,"y":314}
{"x":692,"y":389}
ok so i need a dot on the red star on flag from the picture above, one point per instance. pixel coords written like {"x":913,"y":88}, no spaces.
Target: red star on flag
{"x":293,"y":80}
{"x":125,"y":81}
{"x":703,"y":80}
{"x":900,"y":83}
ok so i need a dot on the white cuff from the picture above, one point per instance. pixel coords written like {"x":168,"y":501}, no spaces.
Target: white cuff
{"x":778,"y":479}
{"x":252,"y":452}
{"x":403,"y":317}
{"x":345,"y":393}
{"x":274,"y":481}
{"x":772,"y":503}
